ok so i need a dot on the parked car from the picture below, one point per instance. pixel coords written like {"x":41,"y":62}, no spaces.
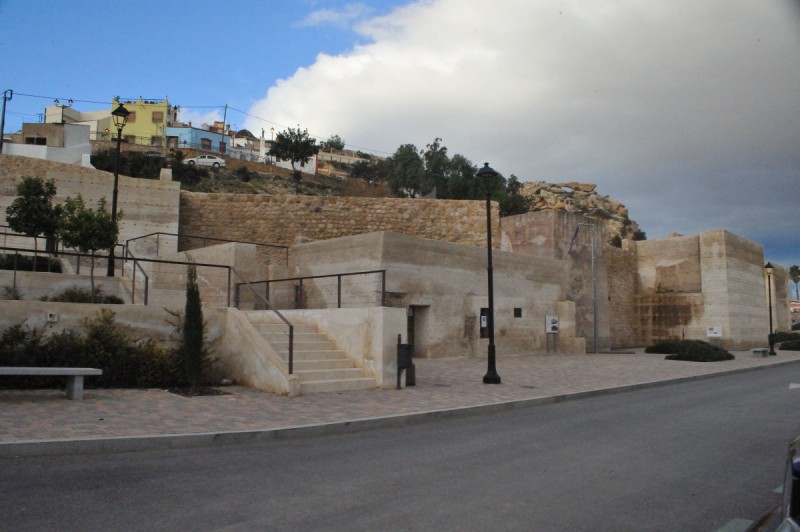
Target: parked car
{"x":786,"y":516}
{"x":206,"y":160}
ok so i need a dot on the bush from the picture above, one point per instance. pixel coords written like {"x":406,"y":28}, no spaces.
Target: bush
{"x":98,"y":343}
{"x":24,"y":263}
{"x":690,"y":350}
{"x":785,"y":336}
{"x":244,"y":174}
{"x":82,"y":295}
{"x":791,"y":345}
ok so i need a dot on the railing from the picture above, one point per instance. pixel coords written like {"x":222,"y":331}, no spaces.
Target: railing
{"x":267,"y":306}
{"x":300,"y":297}
{"x":62,"y":254}
{"x":128,"y":257}
{"x":204,"y":239}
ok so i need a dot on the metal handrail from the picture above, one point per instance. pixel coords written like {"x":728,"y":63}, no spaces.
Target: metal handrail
{"x":156,"y":261}
{"x":204,"y":238}
{"x":338,"y":283}
{"x":269,"y":307}
{"x":129,"y":256}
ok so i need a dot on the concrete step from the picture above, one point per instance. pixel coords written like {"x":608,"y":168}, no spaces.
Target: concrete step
{"x":282,"y":328}
{"x":283,"y":352}
{"x":302,"y":365}
{"x":336,"y":385}
{"x":317,"y":362}
{"x":329,"y":374}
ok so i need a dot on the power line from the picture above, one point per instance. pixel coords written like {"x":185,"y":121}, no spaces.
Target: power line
{"x":54,"y":98}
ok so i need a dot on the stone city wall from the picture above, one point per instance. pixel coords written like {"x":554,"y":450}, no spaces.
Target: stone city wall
{"x":285,"y":220}
{"x":622,"y":273}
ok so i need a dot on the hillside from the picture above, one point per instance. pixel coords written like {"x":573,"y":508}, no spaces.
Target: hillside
{"x":250,"y":178}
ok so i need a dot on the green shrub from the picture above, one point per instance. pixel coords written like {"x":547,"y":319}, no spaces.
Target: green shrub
{"x":785,"y":336}
{"x":82,"y":295}
{"x":25,"y":263}
{"x":98,"y":343}
{"x":690,"y":350}
{"x":791,"y":345}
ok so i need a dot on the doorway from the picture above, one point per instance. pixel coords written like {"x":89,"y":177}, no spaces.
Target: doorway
{"x":416,"y":329}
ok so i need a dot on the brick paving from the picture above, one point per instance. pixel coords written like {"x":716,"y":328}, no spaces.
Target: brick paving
{"x":28,"y":416}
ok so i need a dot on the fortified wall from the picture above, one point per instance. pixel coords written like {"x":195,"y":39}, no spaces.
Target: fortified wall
{"x":286,"y":220}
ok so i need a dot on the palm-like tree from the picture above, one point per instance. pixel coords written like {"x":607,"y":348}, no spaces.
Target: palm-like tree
{"x":794,"y":275}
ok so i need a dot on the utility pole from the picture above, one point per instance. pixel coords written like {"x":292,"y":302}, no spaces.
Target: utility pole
{"x":7,"y":95}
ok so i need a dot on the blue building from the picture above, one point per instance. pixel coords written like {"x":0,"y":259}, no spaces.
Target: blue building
{"x":196,"y":138}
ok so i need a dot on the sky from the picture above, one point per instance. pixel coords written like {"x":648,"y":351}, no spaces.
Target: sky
{"x":687,"y":111}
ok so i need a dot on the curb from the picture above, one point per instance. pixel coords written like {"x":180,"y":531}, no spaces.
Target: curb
{"x":160,"y":442}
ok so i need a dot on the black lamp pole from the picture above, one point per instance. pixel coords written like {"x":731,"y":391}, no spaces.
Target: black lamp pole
{"x":120,"y":116}
{"x":768,"y":269}
{"x":491,"y":376}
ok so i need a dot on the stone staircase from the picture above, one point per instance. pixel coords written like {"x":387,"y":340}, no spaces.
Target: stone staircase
{"x":318,"y":363}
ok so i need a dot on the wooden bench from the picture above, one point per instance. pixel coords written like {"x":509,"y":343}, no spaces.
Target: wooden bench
{"x":74,"y":376}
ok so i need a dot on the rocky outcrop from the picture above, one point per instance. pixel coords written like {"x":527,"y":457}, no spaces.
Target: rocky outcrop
{"x":581,"y":198}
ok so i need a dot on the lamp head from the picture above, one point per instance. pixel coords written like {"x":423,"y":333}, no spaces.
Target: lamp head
{"x":486,"y":172}
{"x":768,"y":268}
{"x":120,"y":116}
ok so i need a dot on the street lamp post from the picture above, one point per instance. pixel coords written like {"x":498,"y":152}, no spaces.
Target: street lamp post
{"x":488,"y":175}
{"x":768,"y":270}
{"x":120,"y":116}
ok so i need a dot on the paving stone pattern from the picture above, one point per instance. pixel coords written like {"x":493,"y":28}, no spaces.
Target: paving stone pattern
{"x":442,"y":384}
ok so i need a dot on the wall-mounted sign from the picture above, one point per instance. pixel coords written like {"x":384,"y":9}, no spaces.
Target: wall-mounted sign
{"x":714,"y":331}
{"x":551,"y":324}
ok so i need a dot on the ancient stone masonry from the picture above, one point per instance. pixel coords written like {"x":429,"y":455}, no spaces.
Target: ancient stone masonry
{"x":286,"y":220}
{"x":581,"y":198}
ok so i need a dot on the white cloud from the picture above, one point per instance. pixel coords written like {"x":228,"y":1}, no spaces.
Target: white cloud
{"x":341,"y":18}
{"x":198,"y":118}
{"x":687,"y":112}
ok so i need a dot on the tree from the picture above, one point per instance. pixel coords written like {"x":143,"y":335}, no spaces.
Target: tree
{"x":333,"y":143}
{"x":88,"y":230}
{"x":194,"y":356}
{"x":436,"y":168}
{"x":511,"y":199}
{"x":295,"y":146}
{"x":405,"y":171}
{"x":32,"y":212}
{"x":794,"y":275}
{"x":461,"y":180}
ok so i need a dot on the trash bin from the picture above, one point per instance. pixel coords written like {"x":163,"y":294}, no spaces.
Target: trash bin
{"x":404,"y":362}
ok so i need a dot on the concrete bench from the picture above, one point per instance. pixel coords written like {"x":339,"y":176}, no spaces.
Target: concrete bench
{"x":763,"y":351}
{"x":74,"y":376}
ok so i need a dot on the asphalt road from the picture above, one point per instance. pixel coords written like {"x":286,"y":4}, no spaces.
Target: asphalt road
{"x":705,"y":456}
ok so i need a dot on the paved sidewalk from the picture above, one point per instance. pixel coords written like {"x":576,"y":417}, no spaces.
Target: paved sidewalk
{"x":43,"y":421}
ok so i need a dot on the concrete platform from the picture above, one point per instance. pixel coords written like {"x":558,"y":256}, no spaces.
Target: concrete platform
{"x":34,"y":422}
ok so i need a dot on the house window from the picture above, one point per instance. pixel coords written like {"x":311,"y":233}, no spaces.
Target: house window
{"x":38,"y":141}
{"x":222,"y":147}
{"x":131,"y":117}
{"x":205,"y":144}
{"x":158,"y":117}
{"x":156,"y":141}
{"x":517,"y":312}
